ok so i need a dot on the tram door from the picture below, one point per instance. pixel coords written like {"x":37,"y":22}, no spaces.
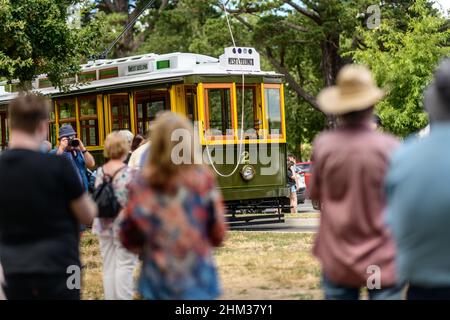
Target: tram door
{"x":3,"y":130}
{"x":120,"y":111}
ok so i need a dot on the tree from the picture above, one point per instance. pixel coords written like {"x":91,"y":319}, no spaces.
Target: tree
{"x":118,"y":13}
{"x":308,"y":41}
{"x":403,"y":62}
{"x":36,"y":39}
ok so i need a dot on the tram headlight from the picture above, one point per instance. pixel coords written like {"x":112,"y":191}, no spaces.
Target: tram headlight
{"x":248,"y":172}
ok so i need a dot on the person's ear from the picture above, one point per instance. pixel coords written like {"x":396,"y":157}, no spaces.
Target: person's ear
{"x":43,"y":129}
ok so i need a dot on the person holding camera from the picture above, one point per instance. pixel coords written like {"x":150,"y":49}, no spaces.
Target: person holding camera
{"x":72,"y":148}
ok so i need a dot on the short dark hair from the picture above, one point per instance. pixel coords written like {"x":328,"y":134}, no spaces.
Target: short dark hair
{"x":27,"y":111}
{"x":357,"y":117}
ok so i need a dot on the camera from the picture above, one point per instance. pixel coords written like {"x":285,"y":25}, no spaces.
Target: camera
{"x":74,"y":142}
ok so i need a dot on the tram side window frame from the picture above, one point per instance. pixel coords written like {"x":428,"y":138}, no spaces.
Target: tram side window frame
{"x":225,"y":86}
{"x":190,"y":92}
{"x":280,"y":107}
{"x":120,"y":117}
{"x":75,"y":120}
{"x":88,"y":118}
{"x":69,"y":120}
{"x":154,"y":95}
{"x":256,"y":111}
{"x":52,"y":125}
{"x":4,"y":128}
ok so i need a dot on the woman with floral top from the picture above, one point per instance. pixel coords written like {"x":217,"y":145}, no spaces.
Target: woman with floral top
{"x":118,"y":263}
{"x":174,"y":217}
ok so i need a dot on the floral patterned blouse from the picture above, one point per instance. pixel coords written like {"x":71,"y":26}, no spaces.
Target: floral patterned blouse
{"x":121,"y":183}
{"x":174,"y":235}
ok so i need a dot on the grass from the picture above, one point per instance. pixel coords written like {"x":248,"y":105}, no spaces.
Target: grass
{"x":252,"y":265}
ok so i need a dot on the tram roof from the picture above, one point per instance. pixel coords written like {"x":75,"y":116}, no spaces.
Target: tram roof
{"x":153,"y":69}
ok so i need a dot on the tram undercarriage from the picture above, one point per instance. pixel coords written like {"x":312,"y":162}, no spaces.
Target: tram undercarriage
{"x":256,"y":212}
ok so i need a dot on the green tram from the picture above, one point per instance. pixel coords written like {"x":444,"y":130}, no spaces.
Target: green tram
{"x":127,"y":93}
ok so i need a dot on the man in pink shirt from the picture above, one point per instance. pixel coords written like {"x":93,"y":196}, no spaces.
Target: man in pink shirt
{"x":353,"y":245}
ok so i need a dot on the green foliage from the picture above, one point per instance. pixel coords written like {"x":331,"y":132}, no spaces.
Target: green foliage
{"x":308,"y":44}
{"x":36,"y":43}
{"x":403,"y":62}
{"x":182,"y":28}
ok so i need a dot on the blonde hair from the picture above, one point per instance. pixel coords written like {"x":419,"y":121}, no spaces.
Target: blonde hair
{"x":116,"y":146}
{"x":128,"y":135}
{"x":160,"y":168}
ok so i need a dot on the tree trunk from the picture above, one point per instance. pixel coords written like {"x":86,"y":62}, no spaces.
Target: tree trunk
{"x":331,"y":64}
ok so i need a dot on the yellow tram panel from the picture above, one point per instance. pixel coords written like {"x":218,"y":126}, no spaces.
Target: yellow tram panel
{"x":178,"y":99}
{"x":132,"y":113}
{"x":101,"y":120}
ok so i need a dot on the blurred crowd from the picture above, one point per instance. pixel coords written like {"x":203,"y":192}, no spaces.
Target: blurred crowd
{"x":384,"y":204}
{"x":139,"y":204}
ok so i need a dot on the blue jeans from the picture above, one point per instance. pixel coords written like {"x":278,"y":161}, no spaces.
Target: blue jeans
{"x":421,"y":293}
{"x":335,"y":291}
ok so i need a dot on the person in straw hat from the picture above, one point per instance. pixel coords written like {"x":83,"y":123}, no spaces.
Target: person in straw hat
{"x":420,"y":223}
{"x":353,"y":245}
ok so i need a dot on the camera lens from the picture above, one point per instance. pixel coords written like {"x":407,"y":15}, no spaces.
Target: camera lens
{"x":74,"y":143}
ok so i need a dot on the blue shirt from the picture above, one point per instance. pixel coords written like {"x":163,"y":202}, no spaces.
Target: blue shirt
{"x":418,"y":195}
{"x":77,"y":159}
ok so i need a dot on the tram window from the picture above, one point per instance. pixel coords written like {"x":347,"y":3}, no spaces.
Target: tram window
{"x":89,"y":129}
{"x":52,"y":126}
{"x":120,"y":111}
{"x":219,"y":111}
{"x":148,"y":104}
{"x":3,"y":131}
{"x":154,"y":107}
{"x":251,"y":123}
{"x":52,"y":133}
{"x":88,"y":120}
{"x":66,"y":109}
{"x":191,"y":103}
{"x":67,"y":113}
{"x":273,"y":110}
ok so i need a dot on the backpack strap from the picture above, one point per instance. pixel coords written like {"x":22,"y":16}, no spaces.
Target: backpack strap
{"x":114,"y":175}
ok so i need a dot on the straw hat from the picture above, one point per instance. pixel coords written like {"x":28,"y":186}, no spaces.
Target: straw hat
{"x":355,"y":90}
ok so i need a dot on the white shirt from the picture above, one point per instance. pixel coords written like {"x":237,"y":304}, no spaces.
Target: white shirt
{"x":136,"y":156}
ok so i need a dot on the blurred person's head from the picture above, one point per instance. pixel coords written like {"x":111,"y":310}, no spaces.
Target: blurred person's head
{"x":437,"y":95}
{"x":116,"y":146}
{"x":128,"y":135}
{"x":353,"y":97}
{"x":290,"y":164}
{"x":28,"y":119}
{"x":160,"y":167}
{"x":137,"y":141}
{"x":291,"y":158}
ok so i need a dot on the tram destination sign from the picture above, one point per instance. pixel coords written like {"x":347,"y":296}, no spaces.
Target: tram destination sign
{"x":240,"y":59}
{"x":137,"y":68}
